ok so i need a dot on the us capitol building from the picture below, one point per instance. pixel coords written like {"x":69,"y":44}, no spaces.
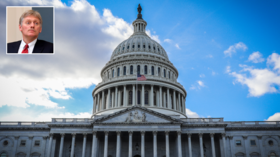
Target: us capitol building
{"x":139,"y":111}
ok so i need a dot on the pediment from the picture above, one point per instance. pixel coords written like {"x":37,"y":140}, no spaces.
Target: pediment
{"x":137,"y":114}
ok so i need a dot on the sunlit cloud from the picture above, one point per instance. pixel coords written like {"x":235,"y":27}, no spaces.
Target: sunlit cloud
{"x":233,"y":48}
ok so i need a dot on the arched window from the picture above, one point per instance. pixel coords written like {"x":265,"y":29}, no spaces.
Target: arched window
{"x":155,"y":99}
{"x":239,"y":154}
{"x":20,"y":154}
{"x":131,"y":69}
{"x":146,"y":97}
{"x":272,"y":154}
{"x":254,"y":154}
{"x":164,"y":73}
{"x":146,"y":69}
{"x":3,"y":155}
{"x":153,"y":73}
{"x":118,"y":72}
{"x":158,"y":71}
{"x":138,"y":69}
{"x":132,"y":46}
{"x":138,"y":46}
{"x":138,"y":97}
{"x":149,"y":47}
{"x":35,"y":154}
{"x":124,"y":70}
{"x":143,"y":46}
{"x":127,"y":47}
{"x":130,"y":97}
{"x":113,"y":72}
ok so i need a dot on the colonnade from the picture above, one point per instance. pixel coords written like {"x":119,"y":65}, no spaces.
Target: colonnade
{"x":147,"y":95}
{"x":130,"y":134}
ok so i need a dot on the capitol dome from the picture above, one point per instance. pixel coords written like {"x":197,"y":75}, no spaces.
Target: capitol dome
{"x":139,"y":56}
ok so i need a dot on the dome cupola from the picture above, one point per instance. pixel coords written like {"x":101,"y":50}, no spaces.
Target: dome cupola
{"x":137,"y":56}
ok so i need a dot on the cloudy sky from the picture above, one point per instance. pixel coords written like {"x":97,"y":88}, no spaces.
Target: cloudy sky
{"x":227,"y":54}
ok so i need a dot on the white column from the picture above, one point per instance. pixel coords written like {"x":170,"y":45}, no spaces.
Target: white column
{"x":190,"y":144}
{"x":94,"y":104}
{"x":168,"y":99}
{"x":84,"y":145}
{"x":152,"y":95}
{"x":133,"y":97}
{"x":73,"y":144}
{"x":124,"y":96}
{"x":183,"y":109}
{"x":164,"y":104}
{"x":201,"y":144}
{"x":230,"y":146}
{"x":174,"y":100}
{"x":179,"y":144}
{"x":118,"y":144}
{"x":130,"y":144}
{"x":116,"y":97}
{"x":98,"y":102}
{"x":155,"y":143}
{"x":61,"y":145}
{"x":102,"y":107}
{"x":213,"y":145}
{"x":93,"y":149}
{"x":15,"y":145}
{"x":108,"y":98}
{"x":167,"y":143}
{"x":119,"y":99}
{"x":179,"y":98}
{"x":260,"y":146}
{"x":142,"y":143}
{"x":31,"y":141}
{"x":224,"y":143}
{"x":113,"y":103}
{"x":160,"y":97}
{"x":245,"y":146}
{"x":106,"y":144}
{"x":50,"y":145}
{"x":142,"y":95}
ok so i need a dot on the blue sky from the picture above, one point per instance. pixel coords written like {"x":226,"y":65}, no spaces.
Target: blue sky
{"x":227,"y":54}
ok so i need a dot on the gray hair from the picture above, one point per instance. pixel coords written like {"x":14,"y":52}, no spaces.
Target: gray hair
{"x":28,"y":13}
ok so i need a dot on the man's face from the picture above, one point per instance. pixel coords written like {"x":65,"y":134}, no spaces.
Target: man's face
{"x":30,"y":27}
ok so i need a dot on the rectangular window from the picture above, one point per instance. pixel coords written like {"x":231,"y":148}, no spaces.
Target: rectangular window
{"x":238,"y":143}
{"x":253,"y":142}
{"x":37,"y":143}
{"x":22,"y":142}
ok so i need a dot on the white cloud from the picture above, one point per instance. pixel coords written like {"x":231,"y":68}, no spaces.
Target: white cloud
{"x":200,"y":83}
{"x":177,"y":46}
{"x":197,"y":86}
{"x":167,"y":40}
{"x":275,"y":117}
{"x":232,"y":49}
{"x":19,"y":114}
{"x":191,"y":114}
{"x":274,"y":60}
{"x":154,"y":37}
{"x":228,"y":69}
{"x":260,"y":81}
{"x":214,"y":73}
{"x":201,"y":75}
{"x":256,"y":57}
{"x":84,"y":44}
{"x":209,"y":56}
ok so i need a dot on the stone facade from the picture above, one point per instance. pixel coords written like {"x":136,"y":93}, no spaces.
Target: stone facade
{"x":133,"y":118}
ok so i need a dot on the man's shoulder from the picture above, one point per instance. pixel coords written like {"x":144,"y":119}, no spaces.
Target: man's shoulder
{"x":13,"y":47}
{"x":43,"y":46}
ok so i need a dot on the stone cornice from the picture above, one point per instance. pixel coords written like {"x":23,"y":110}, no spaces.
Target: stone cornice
{"x":70,"y":125}
{"x":253,"y":128}
{"x":122,"y":81}
{"x":24,"y":128}
{"x":174,"y":120}
{"x":204,"y":125}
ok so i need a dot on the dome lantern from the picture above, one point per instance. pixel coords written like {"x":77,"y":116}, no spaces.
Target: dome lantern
{"x":139,"y":24}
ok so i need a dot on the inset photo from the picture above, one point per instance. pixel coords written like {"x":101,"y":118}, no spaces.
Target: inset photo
{"x":30,"y":30}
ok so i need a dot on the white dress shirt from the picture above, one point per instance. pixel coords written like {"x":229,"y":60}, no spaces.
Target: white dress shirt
{"x":30,"y":48}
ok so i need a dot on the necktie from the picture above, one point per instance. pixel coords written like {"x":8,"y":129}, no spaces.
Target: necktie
{"x":25,"y":50}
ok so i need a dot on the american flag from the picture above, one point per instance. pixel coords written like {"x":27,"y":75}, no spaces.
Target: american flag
{"x":141,"y":77}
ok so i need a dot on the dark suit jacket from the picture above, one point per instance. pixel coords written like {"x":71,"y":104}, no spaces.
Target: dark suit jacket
{"x":41,"y":46}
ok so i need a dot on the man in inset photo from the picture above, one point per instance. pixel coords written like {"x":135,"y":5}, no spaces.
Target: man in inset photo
{"x":30,"y":26}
